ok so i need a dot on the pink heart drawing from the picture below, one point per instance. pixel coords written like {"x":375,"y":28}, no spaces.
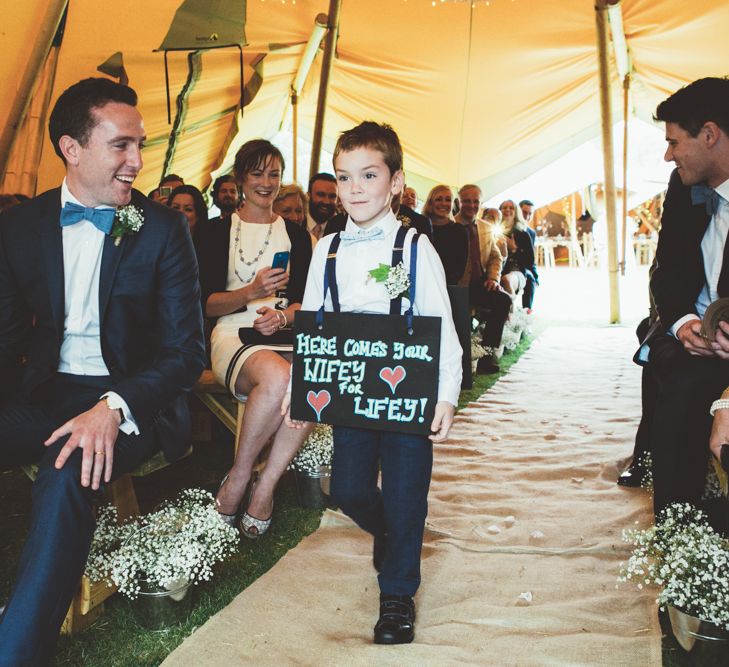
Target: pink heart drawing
{"x":318,"y":401}
{"x":393,"y":376}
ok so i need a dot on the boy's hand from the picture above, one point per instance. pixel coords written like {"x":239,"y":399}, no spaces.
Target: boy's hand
{"x":286,"y":412}
{"x":442,"y":421}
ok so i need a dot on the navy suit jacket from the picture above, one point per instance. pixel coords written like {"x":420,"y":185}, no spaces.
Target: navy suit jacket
{"x":149,"y":308}
{"x":679,"y":275}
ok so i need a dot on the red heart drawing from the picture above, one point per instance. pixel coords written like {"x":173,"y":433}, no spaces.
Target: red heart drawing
{"x":318,"y":401}
{"x":393,"y":376}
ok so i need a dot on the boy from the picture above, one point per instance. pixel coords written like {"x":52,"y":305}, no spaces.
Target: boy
{"x":368,"y":166}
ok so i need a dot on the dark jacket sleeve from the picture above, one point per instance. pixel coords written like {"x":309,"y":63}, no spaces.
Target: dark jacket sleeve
{"x":679,"y":274}
{"x":299,"y":262}
{"x":211,"y":247}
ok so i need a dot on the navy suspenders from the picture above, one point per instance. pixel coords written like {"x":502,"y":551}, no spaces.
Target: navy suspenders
{"x":330,"y":277}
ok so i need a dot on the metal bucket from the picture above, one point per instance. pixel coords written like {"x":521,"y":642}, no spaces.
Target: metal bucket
{"x":705,"y":643}
{"x":312,"y":487}
{"x":157,"y":610}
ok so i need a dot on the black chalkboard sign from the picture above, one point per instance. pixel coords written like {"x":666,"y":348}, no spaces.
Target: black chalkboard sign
{"x":366,"y":371}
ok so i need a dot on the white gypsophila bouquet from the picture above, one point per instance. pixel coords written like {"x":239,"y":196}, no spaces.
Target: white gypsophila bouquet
{"x":396,"y":279}
{"x":316,"y":450}
{"x":477,"y":350}
{"x":176,"y":545}
{"x":686,"y":558}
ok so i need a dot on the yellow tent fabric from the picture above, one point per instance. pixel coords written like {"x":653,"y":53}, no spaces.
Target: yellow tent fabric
{"x":479,"y":92}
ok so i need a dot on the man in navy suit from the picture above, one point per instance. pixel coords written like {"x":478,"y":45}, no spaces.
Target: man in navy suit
{"x":100,"y":339}
{"x":691,"y":272}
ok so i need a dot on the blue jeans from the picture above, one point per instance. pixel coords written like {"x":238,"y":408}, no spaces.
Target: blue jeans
{"x":399,"y":509}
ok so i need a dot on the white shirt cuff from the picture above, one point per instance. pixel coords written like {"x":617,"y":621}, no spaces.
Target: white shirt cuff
{"x":128,"y":425}
{"x":448,"y":391}
{"x":679,"y":323}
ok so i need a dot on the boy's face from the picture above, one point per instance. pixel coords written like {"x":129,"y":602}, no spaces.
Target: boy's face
{"x":365,"y":185}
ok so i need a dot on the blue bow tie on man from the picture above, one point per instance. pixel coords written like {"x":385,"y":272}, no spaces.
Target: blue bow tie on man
{"x":101,"y":218}
{"x":703,"y":194}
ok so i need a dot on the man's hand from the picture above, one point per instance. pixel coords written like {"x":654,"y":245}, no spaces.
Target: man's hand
{"x":719,"y":432}
{"x":491,"y":285}
{"x":442,"y":421}
{"x":689,"y":334}
{"x":267,"y":282}
{"x":721,"y":341}
{"x":95,"y":431}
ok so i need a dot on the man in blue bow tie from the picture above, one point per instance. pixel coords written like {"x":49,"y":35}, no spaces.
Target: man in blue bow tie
{"x":691,"y":370}
{"x":100,"y":339}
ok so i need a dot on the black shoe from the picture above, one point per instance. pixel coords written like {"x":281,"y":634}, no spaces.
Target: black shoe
{"x":397,"y":620}
{"x":633,"y":477}
{"x":378,"y":551}
{"x":487,"y":365}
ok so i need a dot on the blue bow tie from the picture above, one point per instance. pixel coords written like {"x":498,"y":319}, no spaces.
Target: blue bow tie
{"x":362,"y":235}
{"x":101,"y":218}
{"x":703,"y":194}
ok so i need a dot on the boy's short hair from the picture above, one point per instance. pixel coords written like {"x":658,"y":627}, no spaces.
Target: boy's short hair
{"x":253,"y":154}
{"x":372,"y":135}
{"x":694,"y":105}
{"x":73,"y":115}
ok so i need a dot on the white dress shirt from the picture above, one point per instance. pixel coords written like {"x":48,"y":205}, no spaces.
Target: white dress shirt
{"x":359,"y":293}
{"x":81,"y":347}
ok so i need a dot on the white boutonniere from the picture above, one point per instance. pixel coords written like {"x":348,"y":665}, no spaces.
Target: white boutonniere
{"x":128,"y":220}
{"x":396,"y":279}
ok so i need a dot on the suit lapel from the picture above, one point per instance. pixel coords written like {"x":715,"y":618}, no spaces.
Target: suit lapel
{"x":52,"y":250}
{"x":110,"y":258}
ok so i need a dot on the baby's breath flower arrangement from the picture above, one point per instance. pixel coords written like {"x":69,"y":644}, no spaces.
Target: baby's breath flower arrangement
{"x":686,"y":558}
{"x":176,"y":545}
{"x":396,"y":279}
{"x":128,"y":220}
{"x":316,"y":450}
{"x":477,"y":350}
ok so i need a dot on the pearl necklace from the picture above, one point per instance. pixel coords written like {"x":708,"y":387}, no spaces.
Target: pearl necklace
{"x":254,"y":261}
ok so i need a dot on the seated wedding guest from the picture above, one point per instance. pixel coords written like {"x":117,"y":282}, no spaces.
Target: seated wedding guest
{"x":409,"y":197}
{"x":290,"y":204}
{"x":225,"y":196}
{"x":449,"y":238}
{"x":250,"y":353}
{"x":189,"y":201}
{"x":165,"y":188}
{"x":526,"y":207}
{"x":322,"y":203}
{"x":96,"y":364}
{"x":520,"y":259}
{"x":483,"y":275}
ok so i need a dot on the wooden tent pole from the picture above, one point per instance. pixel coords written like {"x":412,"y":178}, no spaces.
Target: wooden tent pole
{"x":335,"y":9}
{"x":626,"y":98}
{"x":601,"y":24}
{"x":21,"y":102}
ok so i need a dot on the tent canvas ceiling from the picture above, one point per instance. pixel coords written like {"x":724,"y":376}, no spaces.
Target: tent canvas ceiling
{"x":479,"y":92}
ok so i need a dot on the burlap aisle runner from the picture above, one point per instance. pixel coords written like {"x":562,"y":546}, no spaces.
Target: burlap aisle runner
{"x":541,"y":447}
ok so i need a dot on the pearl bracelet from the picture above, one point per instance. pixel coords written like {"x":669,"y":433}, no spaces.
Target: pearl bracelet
{"x":719,"y":404}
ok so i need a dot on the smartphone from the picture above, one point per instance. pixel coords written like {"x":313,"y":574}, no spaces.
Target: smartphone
{"x":165,"y":192}
{"x":280,"y":260}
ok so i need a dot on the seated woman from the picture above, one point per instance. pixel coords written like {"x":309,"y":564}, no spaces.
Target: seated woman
{"x":449,"y":238}
{"x":290,"y":204}
{"x":520,"y":259}
{"x":189,"y":200}
{"x":249,"y":353}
